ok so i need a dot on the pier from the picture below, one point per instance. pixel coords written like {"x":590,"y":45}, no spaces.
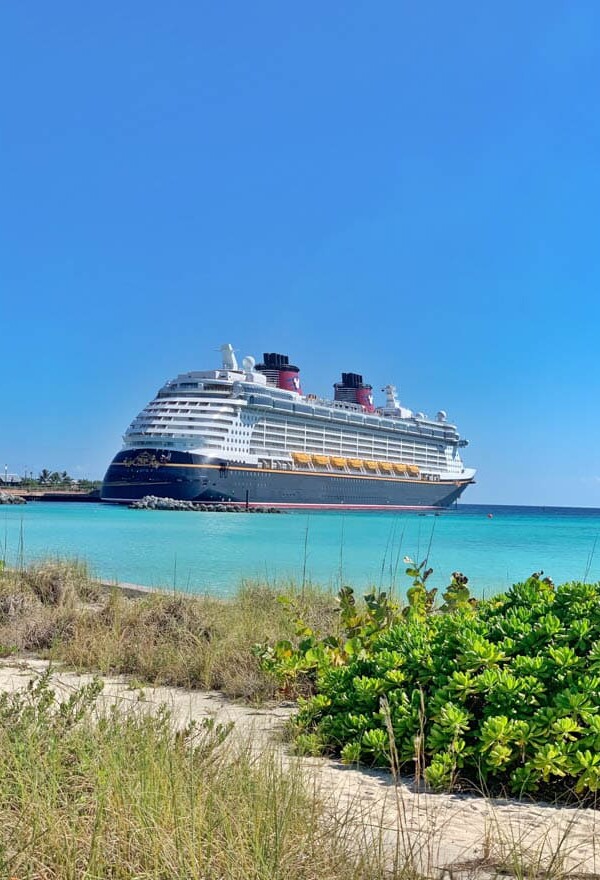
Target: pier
{"x":39,"y":494}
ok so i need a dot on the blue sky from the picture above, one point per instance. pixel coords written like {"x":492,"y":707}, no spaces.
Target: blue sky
{"x":406,"y":190}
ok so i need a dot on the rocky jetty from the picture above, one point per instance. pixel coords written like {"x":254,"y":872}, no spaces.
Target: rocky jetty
{"x":9,"y":498}
{"x":152,"y":502}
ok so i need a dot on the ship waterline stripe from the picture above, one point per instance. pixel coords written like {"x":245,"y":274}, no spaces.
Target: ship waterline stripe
{"x":343,"y":506}
{"x":138,"y":483}
{"x":389,"y":479}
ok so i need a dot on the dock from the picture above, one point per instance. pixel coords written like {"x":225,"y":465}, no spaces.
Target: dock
{"x":54,"y":494}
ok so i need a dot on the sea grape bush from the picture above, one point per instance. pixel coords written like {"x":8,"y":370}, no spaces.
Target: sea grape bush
{"x":502,"y":693}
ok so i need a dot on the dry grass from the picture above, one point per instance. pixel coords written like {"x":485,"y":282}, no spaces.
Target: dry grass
{"x":89,"y":789}
{"x":193,"y":641}
{"x":122,"y":794}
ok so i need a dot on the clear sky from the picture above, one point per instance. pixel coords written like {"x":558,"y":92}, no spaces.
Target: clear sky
{"x":407,"y":190}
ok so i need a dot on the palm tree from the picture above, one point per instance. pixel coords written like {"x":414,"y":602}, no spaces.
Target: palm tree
{"x":44,"y":476}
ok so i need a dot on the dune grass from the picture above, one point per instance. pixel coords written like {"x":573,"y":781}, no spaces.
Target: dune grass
{"x":56,"y":610}
{"x":87,"y":792}
{"x":93,"y":790}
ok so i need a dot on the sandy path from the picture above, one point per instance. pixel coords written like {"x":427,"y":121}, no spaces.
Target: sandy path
{"x":458,"y":833}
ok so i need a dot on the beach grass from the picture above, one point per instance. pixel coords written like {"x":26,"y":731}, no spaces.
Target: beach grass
{"x":92,"y":792}
{"x":98,"y":789}
{"x":56,"y":610}
{"x":94,"y":788}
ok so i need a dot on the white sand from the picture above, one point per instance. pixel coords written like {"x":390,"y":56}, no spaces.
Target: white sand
{"x":457,"y":834}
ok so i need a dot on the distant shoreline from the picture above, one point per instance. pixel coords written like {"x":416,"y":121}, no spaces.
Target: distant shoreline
{"x":132,"y":591}
{"x":54,"y":496}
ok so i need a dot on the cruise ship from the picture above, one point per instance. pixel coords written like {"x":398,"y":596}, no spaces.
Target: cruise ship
{"x":249,"y":435}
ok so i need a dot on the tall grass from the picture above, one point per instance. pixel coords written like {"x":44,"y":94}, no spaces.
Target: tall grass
{"x":89,"y":790}
{"x":121,"y":794}
{"x":93,"y":790}
{"x":57,"y":610}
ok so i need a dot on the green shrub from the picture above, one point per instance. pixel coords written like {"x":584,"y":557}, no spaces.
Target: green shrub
{"x":503,"y":693}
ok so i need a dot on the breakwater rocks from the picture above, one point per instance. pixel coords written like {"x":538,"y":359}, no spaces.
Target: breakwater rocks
{"x":9,"y":498}
{"x":152,"y":502}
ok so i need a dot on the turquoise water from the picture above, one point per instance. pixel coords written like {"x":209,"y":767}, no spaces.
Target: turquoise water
{"x":214,"y":552}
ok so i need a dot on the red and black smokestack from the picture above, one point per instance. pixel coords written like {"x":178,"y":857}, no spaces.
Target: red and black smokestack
{"x":279,"y":371}
{"x":354,"y":390}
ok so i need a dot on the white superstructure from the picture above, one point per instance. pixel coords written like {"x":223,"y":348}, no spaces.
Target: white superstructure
{"x":241,"y":416}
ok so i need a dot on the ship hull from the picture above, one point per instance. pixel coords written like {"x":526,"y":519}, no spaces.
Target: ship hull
{"x":134,"y":473}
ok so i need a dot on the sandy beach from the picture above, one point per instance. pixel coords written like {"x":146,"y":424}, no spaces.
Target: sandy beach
{"x":461,"y":835}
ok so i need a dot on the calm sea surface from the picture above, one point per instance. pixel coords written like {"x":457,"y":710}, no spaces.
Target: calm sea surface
{"x":214,"y":552}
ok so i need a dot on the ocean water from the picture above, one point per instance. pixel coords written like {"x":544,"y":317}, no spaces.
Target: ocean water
{"x":215,"y":552}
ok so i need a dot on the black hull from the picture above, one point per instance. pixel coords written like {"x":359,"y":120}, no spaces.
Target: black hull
{"x":135,"y":473}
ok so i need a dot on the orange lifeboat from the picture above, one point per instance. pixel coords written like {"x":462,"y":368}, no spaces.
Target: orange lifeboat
{"x":323,"y":460}
{"x":372,"y":465}
{"x":338,"y":461}
{"x":400,"y":468}
{"x":301,"y":457}
{"x":356,"y":463}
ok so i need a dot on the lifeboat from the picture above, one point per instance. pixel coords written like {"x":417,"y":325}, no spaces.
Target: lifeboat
{"x":386,"y":466}
{"x":321,"y":459}
{"x":356,"y":463}
{"x":413,"y":470}
{"x":301,"y":457}
{"x":372,"y":465}
{"x":400,"y":468}
{"x":338,"y":462}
